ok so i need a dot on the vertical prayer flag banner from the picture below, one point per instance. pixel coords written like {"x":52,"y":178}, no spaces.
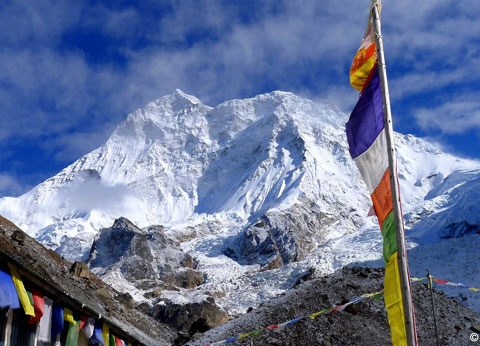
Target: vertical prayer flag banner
{"x":367,"y":144}
{"x":367,"y":139}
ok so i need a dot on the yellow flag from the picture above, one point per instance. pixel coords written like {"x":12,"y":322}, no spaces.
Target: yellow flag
{"x":105,"y":333}
{"x":22,"y":292}
{"x":68,"y":316}
{"x":394,"y":301}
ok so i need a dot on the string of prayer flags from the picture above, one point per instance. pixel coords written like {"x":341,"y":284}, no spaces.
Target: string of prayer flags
{"x":340,"y":307}
{"x":445,"y":282}
{"x":52,"y":317}
{"x":281,"y":326}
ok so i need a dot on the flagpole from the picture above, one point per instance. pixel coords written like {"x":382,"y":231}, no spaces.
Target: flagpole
{"x":397,"y":210}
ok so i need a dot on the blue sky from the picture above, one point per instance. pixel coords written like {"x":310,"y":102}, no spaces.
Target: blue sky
{"x":72,"y":70}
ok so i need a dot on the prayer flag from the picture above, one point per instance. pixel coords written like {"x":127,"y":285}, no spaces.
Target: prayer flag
{"x":106,"y":334}
{"x":38,"y":307}
{"x":97,"y":336}
{"x":111,"y":341}
{"x":83,"y":320}
{"x":82,"y":340}
{"x":119,"y":342}
{"x":45,"y":325}
{"x":68,"y":316}
{"x":73,"y":334}
{"x":21,"y":292}
{"x":364,"y":59}
{"x":8,"y":292}
{"x":57,"y":320}
{"x":88,"y":327}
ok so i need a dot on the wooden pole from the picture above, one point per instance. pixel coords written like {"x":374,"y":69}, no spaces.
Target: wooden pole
{"x":397,"y":210}
{"x":430,"y":286}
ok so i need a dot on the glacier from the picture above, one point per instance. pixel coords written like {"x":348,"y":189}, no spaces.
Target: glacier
{"x":261,"y":192}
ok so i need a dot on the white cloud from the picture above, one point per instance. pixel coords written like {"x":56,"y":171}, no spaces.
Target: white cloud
{"x":9,"y":185}
{"x":94,"y":194}
{"x":456,"y":116}
{"x":427,"y":81}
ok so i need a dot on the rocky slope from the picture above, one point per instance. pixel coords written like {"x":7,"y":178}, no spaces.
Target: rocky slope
{"x":363,"y":323}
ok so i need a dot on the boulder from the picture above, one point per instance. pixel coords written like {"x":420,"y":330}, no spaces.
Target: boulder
{"x":191,"y":318}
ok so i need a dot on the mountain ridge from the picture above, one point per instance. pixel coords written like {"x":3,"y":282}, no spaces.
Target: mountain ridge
{"x":258,"y":191}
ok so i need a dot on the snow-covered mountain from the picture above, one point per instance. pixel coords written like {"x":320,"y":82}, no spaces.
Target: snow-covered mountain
{"x":259,"y":191}
{"x":178,"y":161}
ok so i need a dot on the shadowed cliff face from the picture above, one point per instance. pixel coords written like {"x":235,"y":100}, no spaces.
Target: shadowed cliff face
{"x":282,"y":237}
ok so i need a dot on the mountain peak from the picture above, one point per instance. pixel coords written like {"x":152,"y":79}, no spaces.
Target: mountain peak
{"x":179,"y":94}
{"x":178,"y":102}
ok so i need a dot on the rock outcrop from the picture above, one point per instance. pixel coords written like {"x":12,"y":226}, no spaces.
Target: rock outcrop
{"x":146,"y":258}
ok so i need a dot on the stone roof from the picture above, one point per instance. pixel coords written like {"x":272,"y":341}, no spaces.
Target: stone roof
{"x":77,"y":288}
